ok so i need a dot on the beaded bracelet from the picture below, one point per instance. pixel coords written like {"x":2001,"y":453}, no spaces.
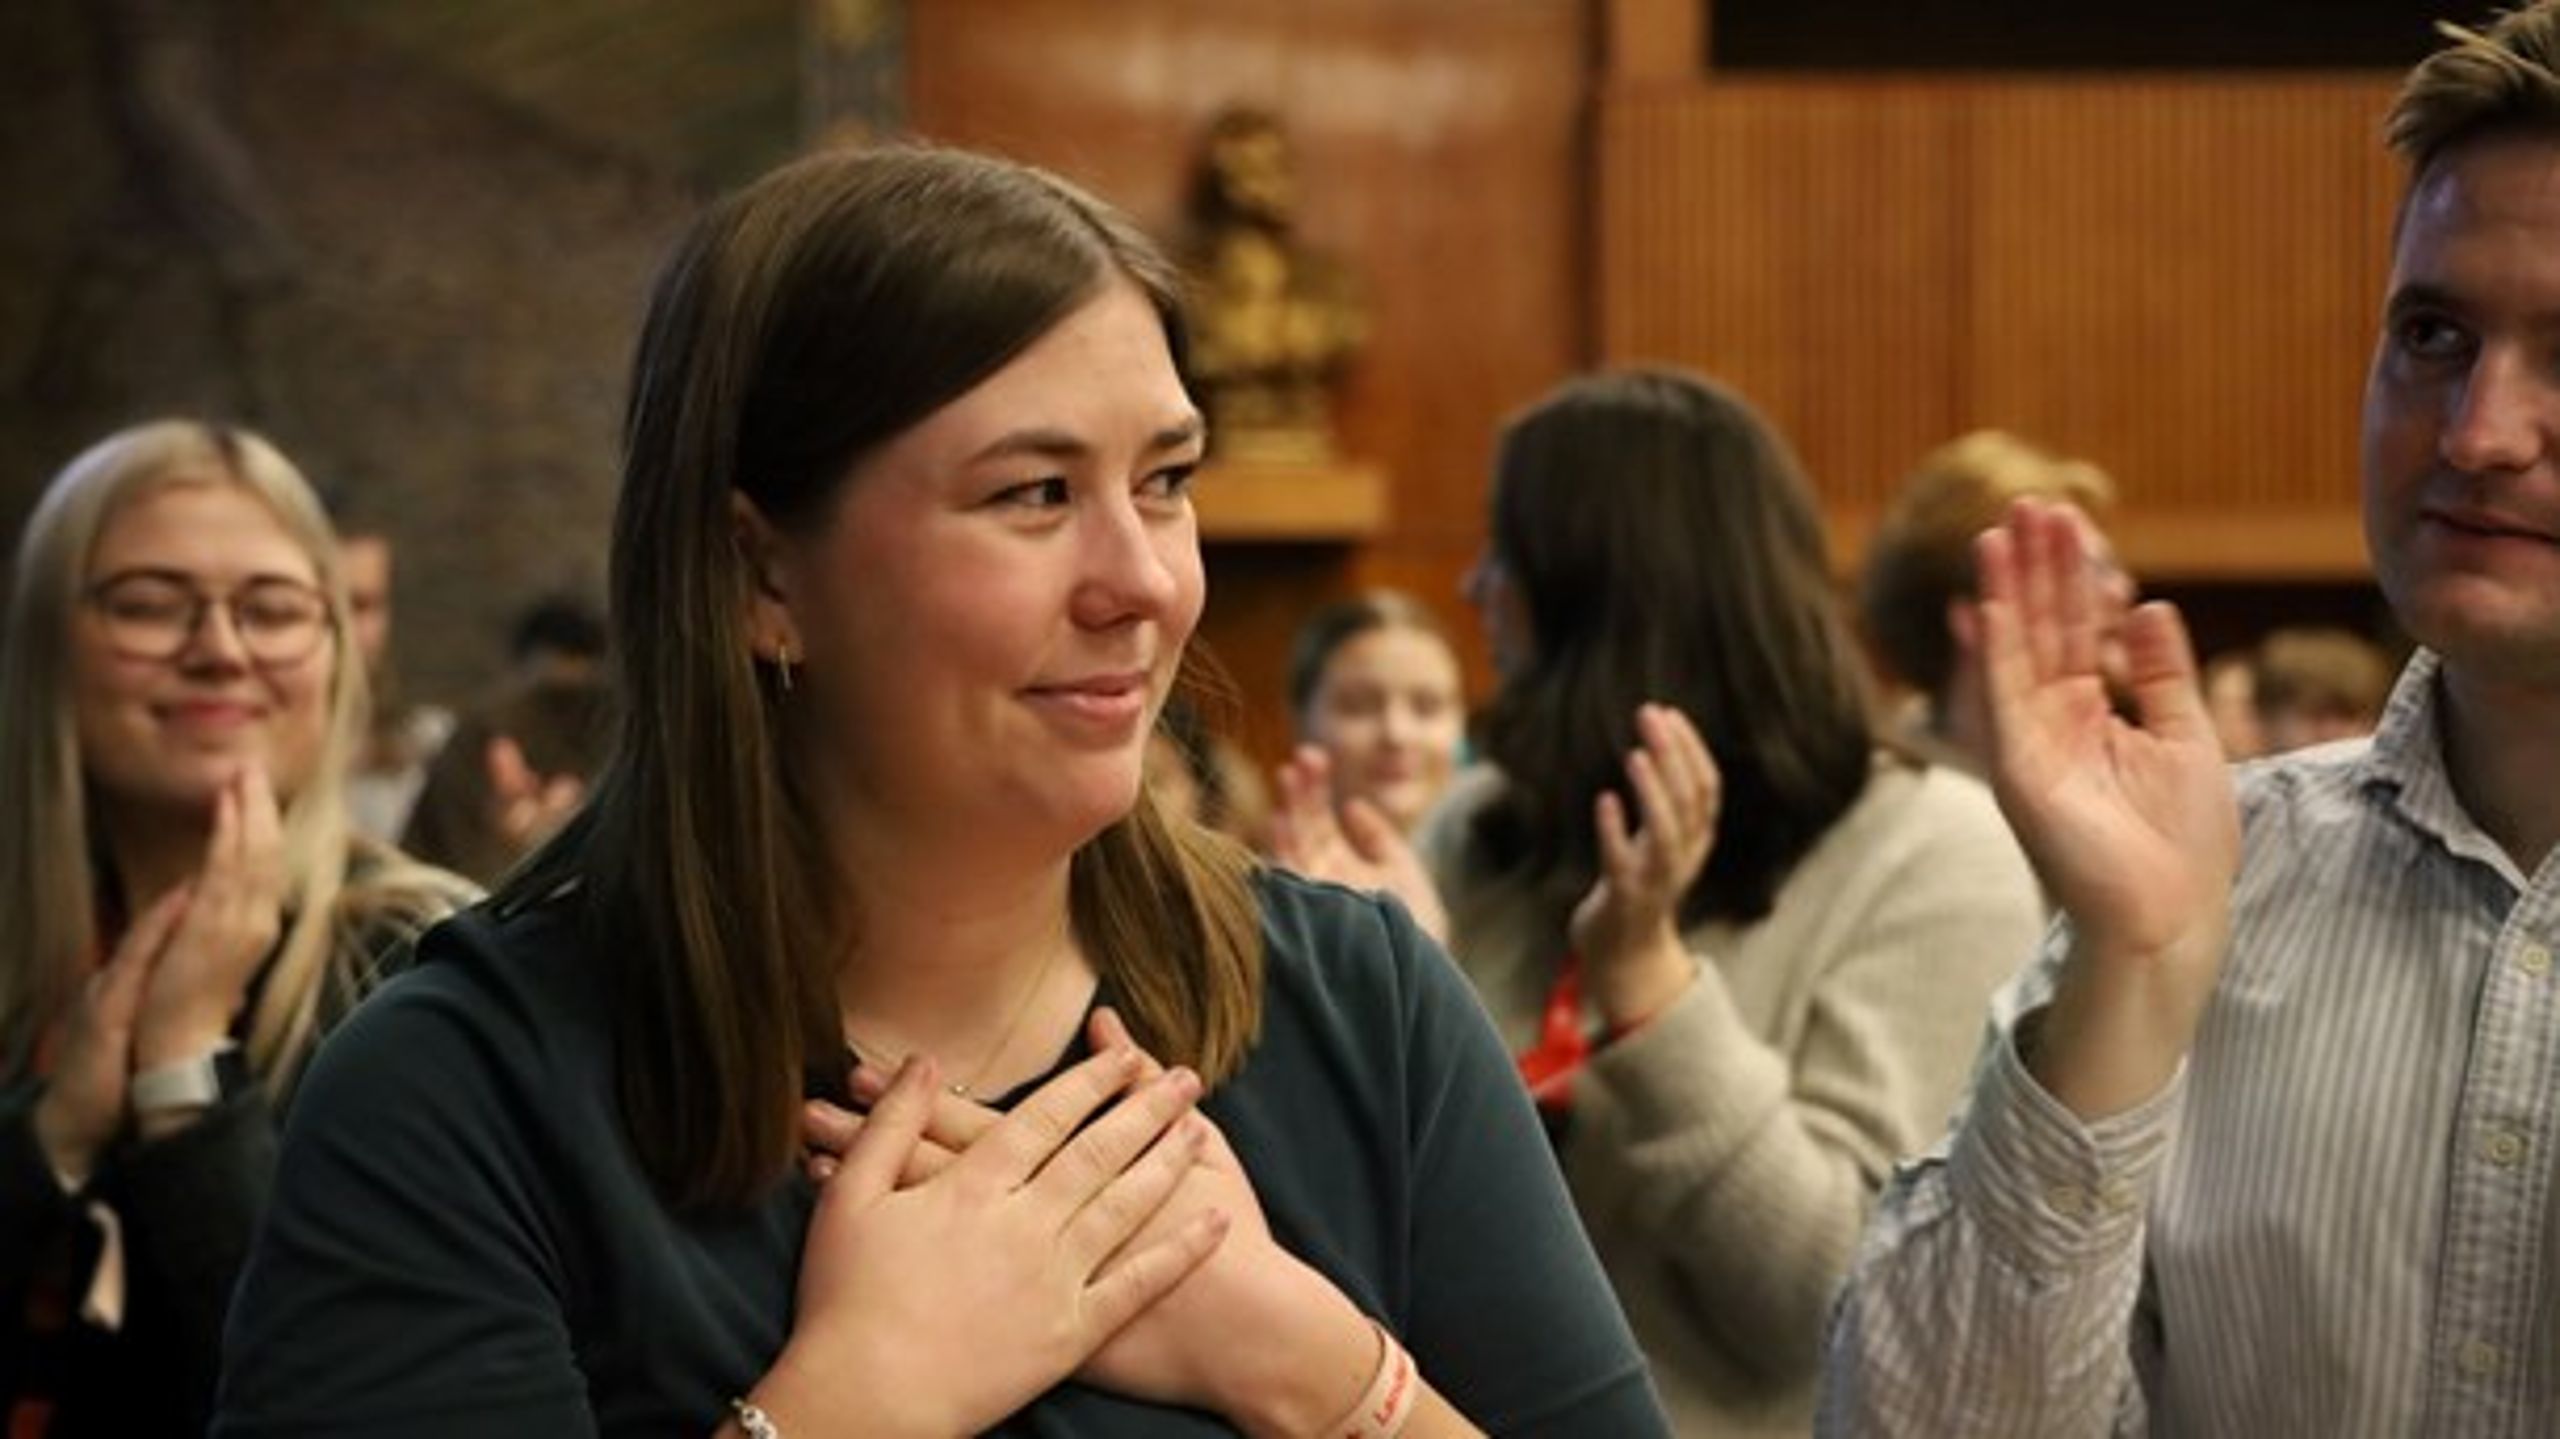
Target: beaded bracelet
{"x":753,"y":1422}
{"x":1384,"y":1410}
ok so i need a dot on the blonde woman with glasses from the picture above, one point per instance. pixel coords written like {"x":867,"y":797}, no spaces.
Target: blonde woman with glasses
{"x":182,"y":908}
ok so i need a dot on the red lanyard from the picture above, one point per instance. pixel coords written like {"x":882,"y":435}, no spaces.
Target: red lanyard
{"x":1548,"y":1066}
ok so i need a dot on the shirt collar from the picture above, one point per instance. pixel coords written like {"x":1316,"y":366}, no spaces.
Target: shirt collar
{"x":2405,"y":751}
{"x":2407,"y":758}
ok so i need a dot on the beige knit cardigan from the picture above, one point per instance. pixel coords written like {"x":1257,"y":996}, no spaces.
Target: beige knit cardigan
{"x":1724,"y":1156}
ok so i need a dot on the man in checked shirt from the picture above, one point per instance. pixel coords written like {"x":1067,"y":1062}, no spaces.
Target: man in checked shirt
{"x":2266,"y":1142}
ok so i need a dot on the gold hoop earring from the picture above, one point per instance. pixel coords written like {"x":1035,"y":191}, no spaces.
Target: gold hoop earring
{"x":782,"y":662}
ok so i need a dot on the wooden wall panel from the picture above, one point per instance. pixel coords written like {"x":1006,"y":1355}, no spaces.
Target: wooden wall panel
{"x":2220,"y":279}
{"x":2174,"y":277}
{"x":1797,"y":243}
{"x":1440,"y":151}
{"x":1650,"y":41}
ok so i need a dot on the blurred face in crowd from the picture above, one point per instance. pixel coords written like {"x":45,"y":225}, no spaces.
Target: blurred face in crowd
{"x":366,"y":562}
{"x":202,"y":643}
{"x":2462,"y":411}
{"x":990,"y":619}
{"x":2296,"y":728}
{"x":1387,"y":709}
{"x":2230,"y":698}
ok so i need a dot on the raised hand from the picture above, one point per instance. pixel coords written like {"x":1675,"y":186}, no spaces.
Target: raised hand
{"x":1627,"y":928}
{"x":524,"y":806}
{"x":2130,"y":823}
{"x":1354,"y":844}
{"x":233,"y":915}
{"x":940,"y":1306}
{"x":84,"y":1099}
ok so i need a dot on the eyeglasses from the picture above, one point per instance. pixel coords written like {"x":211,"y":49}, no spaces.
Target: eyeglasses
{"x":149,"y":615}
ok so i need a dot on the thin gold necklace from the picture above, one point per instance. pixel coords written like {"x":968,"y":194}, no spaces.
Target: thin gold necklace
{"x":968,"y":1087}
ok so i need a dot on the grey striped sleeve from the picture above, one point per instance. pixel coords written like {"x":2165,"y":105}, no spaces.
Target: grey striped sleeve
{"x":1995,"y":1292}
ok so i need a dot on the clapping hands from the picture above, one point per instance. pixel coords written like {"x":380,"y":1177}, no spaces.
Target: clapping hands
{"x":83,"y":1107}
{"x":233,"y":914}
{"x":174,"y":984}
{"x":1353,"y":844}
{"x":1627,"y":928}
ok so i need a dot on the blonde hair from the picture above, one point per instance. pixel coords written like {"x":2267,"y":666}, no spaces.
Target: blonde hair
{"x":1922,"y":554}
{"x":2505,"y":78}
{"x":50,"y":871}
{"x":2319,"y":671}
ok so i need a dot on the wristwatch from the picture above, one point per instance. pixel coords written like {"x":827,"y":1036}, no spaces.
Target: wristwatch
{"x":198,"y":1083}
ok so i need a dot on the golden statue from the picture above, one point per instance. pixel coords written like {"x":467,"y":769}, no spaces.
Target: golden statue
{"x":1273,"y":324}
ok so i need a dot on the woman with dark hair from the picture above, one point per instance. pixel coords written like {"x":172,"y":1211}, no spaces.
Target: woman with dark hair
{"x":903,"y":570}
{"x":186,"y":906}
{"x":1782,"y":937}
{"x":1740,"y":950}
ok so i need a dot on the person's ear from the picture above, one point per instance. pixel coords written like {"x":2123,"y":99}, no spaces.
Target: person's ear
{"x":766,"y":560}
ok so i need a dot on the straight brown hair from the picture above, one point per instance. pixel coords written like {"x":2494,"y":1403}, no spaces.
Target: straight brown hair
{"x":1667,"y":549}
{"x":801,"y":324}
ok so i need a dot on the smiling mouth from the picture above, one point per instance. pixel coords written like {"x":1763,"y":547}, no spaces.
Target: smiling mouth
{"x":1121,"y":682}
{"x":214,"y":714}
{"x":1112,"y":701}
{"x":2487,"y":527}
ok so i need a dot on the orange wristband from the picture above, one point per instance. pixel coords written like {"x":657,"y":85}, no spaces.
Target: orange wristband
{"x":1393,"y":1392}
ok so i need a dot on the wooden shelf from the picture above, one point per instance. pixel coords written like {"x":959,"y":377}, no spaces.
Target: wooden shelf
{"x":2237,"y":543}
{"x":1335,"y":502}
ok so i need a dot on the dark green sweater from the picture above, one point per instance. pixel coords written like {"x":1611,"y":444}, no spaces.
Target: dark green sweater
{"x":461,"y":1240}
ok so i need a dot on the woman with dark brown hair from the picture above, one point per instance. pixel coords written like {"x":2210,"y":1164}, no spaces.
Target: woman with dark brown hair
{"x":1740,"y":950}
{"x":1149,"y":1142}
{"x":1782,"y":935}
